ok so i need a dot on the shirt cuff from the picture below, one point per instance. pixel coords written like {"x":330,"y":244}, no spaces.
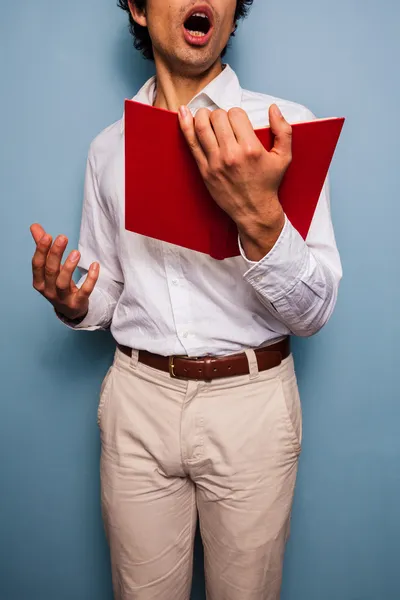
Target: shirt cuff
{"x":275,"y":275}
{"x":96,"y":317}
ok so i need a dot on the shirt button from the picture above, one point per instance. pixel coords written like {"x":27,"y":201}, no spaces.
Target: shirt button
{"x":174,"y":282}
{"x":258,"y":279}
{"x":185,"y":334}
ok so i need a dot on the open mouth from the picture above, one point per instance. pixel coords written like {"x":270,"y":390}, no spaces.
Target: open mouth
{"x":198,"y":24}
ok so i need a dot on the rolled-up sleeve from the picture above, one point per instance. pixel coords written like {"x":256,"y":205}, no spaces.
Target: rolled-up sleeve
{"x":298,"y":281}
{"x":97,"y":244}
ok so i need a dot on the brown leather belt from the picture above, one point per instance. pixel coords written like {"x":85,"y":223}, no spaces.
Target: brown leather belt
{"x":207,"y":368}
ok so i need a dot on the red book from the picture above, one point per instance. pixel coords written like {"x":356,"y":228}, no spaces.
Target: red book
{"x":165,"y":195}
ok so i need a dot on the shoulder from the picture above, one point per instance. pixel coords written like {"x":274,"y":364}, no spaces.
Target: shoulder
{"x":257,"y":104}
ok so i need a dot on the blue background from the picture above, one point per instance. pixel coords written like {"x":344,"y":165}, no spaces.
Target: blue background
{"x":65,"y":70}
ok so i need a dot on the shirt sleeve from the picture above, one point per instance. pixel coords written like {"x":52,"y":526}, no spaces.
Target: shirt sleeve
{"x":297,"y":281}
{"x":97,"y":244}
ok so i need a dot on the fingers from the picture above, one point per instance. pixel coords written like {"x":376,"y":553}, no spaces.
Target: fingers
{"x":282,"y":132}
{"x":53,"y":263}
{"x":188,"y":129}
{"x":39,"y":261}
{"x":90,"y":281}
{"x":205,"y":132}
{"x":242,"y":127}
{"x":46,"y":262}
{"x":64,"y":283}
{"x":223,"y":131}
{"x":54,"y":280}
{"x":37,"y":232}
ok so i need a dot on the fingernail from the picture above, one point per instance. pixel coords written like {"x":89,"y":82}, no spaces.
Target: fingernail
{"x":74,"y":255}
{"x":277,"y":111}
{"x":61,"y":240}
{"x":95,"y":266}
{"x":183,"y":111}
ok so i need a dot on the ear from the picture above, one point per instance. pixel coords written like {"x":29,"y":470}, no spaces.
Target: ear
{"x":137,"y":15}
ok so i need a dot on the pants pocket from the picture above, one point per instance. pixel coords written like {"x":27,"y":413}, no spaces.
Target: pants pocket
{"x":292,"y":409}
{"x":104,"y":393}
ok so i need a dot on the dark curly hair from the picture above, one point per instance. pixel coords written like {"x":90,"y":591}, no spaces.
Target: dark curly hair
{"x":141,"y":37}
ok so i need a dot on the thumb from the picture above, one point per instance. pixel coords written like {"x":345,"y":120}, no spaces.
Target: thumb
{"x":282,"y":132}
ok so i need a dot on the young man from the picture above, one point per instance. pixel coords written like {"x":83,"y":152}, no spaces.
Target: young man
{"x":200,"y":412}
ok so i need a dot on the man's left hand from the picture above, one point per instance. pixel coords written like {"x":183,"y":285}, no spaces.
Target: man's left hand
{"x":240,"y":174}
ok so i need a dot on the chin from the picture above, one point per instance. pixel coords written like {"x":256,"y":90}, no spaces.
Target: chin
{"x":196,"y":61}
{"x":201,"y":63}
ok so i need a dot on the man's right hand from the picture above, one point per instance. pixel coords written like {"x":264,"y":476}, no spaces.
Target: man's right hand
{"x":54,"y":280}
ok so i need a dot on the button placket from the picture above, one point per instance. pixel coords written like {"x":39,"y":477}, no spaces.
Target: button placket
{"x":179,"y":295}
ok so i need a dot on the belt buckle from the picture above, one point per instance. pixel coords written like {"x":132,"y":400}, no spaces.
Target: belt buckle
{"x":172,"y":365}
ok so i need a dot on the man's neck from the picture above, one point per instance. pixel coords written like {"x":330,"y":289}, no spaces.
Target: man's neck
{"x":174,"y":89}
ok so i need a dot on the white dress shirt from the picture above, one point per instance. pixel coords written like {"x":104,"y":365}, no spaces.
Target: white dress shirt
{"x":166,"y":299}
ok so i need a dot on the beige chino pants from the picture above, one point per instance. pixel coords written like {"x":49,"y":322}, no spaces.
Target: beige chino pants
{"x":225,"y":450}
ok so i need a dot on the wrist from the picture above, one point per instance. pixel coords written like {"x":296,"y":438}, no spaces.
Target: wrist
{"x":78,"y":320}
{"x":72,"y":319}
{"x":258,"y":237}
{"x":261,"y":218}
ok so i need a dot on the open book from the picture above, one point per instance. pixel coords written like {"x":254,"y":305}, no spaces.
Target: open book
{"x":165,"y":195}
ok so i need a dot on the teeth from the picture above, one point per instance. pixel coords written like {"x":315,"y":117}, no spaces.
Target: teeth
{"x":197,"y":33}
{"x":200,"y":15}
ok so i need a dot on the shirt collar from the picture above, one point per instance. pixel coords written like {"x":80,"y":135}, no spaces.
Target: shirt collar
{"x":224,"y":92}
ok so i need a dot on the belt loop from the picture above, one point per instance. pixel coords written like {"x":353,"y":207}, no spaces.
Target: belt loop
{"x":134,"y":359}
{"x":253,"y":364}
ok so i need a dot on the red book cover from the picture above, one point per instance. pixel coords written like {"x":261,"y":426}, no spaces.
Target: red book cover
{"x":165,"y":195}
